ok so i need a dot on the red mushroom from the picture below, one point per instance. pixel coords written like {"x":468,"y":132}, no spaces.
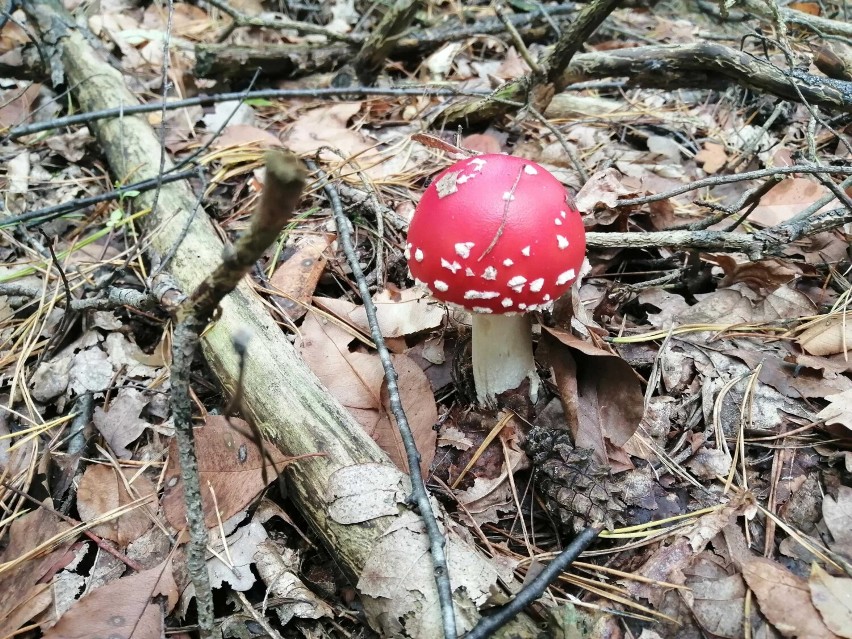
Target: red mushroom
{"x":499,"y":236}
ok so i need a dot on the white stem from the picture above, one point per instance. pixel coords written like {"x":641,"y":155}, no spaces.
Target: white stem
{"x":502,"y":355}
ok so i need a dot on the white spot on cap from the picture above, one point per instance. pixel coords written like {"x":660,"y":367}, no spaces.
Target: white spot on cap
{"x":418,"y":255}
{"x":464,"y":178}
{"x":507,"y":262}
{"x":447,"y":184}
{"x":557,"y":222}
{"x":533,"y":307}
{"x":469,"y":272}
{"x":535,"y":285}
{"x":452,"y":266}
{"x":440,"y":286}
{"x":481,"y":295}
{"x":517,"y":283}
{"x":508,"y":197}
{"x":481,"y":309}
{"x":490,"y":273}
{"x":408,"y":245}
{"x":463,"y":249}
{"x":565,"y":277}
{"x":506,"y":302}
{"x":522,"y":306}
{"x":477,"y":163}
{"x":530,"y":170}
{"x":562,"y":241}
{"x":525,"y":251}
{"x":407,"y":252}
{"x":546,"y":298}
{"x":563,"y":214}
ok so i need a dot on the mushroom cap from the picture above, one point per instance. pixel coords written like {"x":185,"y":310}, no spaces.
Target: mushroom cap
{"x":496,"y":234}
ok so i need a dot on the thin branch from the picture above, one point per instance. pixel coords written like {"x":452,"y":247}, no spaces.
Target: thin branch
{"x":419,"y":496}
{"x":487,"y":626}
{"x":282,"y":189}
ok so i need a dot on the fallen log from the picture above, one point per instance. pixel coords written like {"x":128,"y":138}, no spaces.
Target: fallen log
{"x":353,"y":496}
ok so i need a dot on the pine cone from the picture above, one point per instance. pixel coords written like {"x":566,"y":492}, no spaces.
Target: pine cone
{"x":573,"y":484}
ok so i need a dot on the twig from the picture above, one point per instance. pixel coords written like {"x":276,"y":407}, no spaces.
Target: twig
{"x":207,"y":100}
{"x":276,"y":22}
{"x":369,"y":60}
{"x":284,"y":182}
{"x":756,"y":245}
{"x":537,"y":86}
{"x":419,"y":496}
{"x":39,"y":216}
{"x":737,"y":177}
{"x":487,"y":626}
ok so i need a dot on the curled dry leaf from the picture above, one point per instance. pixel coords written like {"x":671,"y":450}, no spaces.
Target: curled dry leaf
{"x":297,"y":277}
{"x":827,"y":335}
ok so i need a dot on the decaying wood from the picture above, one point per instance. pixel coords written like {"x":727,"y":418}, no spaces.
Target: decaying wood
{"x":353,"y":496}
{"x":228,"y":61}
{"x":705,"y":66}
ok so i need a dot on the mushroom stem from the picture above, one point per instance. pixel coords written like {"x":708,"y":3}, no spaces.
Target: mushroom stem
{"x":502,"y":355}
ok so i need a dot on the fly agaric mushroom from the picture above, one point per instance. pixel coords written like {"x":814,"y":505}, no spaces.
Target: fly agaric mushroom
{"x":499,"y":236}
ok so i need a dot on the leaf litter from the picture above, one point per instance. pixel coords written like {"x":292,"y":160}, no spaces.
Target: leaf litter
{"x":718,"y":402}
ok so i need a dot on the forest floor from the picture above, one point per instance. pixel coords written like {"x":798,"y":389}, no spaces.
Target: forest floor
{"x":697,"y":372}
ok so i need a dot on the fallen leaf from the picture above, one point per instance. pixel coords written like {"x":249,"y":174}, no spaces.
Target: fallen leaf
{"x":121,"y":425}
{"x":102,"y":490}
{"x":784,"y":599}
{"x":600,"y":392}
{"x":296,"y":278}
{"x":712,"y":157}
{"x":241,"y":545}
{"x":833,"y":598}
{"x":399,"y":313}
{"x":839,"y":410}
{"x":328,"y":126}
{"x":837,"y":513}
{"x":827,"y":335}
{"x":787,"y":199}
{"x":22,"y":593}
{"x":230,"y":464}
{"x":279,"y":567}
{"x":357,"y":380}
{"x":126,"y":608}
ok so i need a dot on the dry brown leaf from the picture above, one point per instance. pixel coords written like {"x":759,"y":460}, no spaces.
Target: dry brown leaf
{"x":833,"y":598}
{"x":121,"y":425}
{"x":20,"y":584}
{"x":600,"y":194}
{"x":102,"y":490}
{"x":399,"y":313}
{"x":123,"y":609}
{"x":229,"y":463}
{"x":297,"y":277}
{"x":241,"y":135}
{"x":787,"y":199}
{"x":784,"y":599}
{"x":712,"y":157}
{"x":328,"y":126}
{"x":839,"y":410}
{"x":838,"y":517}
{"x":764,"y":274}
{"x":601,"y":394}
{"x":357,"y":380}
{"x":827,"y":335}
